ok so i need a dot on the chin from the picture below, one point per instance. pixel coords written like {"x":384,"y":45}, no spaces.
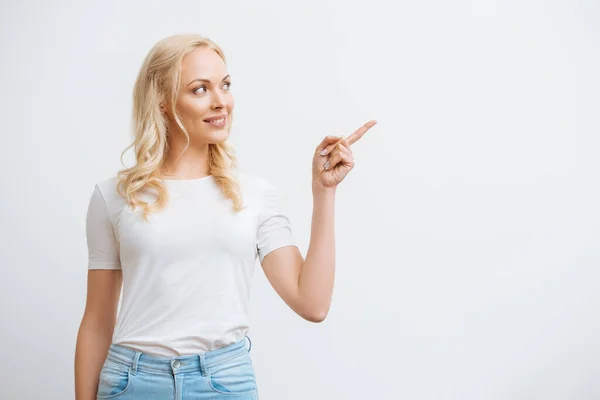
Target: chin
{"x":219,"y":137}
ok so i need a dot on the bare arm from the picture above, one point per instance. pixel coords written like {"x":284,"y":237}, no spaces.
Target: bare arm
{"x":306,"y":286}
{"x":96,"y":329}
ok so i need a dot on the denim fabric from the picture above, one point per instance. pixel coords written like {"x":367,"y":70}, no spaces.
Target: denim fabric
{"x":224,"y":373}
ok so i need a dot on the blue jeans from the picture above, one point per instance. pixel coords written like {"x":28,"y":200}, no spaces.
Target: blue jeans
{"x":224,"y":373}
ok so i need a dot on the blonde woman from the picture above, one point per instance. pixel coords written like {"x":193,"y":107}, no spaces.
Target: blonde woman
{"x":180,"y":232}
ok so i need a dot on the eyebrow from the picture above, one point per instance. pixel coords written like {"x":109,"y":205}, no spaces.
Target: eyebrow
{"x":206,"y":80}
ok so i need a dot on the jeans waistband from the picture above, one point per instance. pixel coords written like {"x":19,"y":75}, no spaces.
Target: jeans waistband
{"x":179,"y":364}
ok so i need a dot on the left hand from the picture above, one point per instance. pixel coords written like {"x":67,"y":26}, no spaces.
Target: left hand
{"x":333,"y":158}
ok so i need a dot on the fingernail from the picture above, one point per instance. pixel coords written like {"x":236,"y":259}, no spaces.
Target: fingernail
{"x":326,"y":165}
{"x":323,"y":152}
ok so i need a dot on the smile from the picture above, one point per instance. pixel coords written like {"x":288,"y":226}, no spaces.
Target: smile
{"x":219,"y":122}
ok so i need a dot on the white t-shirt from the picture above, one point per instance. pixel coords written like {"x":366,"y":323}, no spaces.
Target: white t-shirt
{"x":186,"y":274}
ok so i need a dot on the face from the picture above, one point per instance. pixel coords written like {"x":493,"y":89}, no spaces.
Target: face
{"x":204,"y":102}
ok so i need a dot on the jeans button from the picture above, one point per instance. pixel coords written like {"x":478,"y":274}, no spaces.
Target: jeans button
{"x":176,"y":364}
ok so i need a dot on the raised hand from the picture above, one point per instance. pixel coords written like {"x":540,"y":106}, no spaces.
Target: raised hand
{"x":333,"y":158}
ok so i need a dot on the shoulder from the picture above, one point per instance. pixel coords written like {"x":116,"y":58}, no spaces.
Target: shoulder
{"x":255,"y":184}
{"x":262,"y":192}
{"x":107,"y":188}
{"x":107,"y":184}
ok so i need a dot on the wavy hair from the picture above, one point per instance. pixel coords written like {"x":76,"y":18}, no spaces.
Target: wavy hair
{"x":158,"y":80}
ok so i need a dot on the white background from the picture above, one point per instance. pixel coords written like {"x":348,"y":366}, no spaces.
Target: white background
{"x":468,"y":234}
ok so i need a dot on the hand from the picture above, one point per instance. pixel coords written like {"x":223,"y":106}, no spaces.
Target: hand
{"x":333,"y":158}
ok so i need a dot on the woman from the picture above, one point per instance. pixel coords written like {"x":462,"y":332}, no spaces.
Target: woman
{"x":181,"y":231}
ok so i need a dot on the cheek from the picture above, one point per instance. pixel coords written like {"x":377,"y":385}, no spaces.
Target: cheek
{"x":192,"y":109}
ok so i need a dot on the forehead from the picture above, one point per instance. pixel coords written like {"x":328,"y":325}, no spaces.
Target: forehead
{"x":202,"y":63}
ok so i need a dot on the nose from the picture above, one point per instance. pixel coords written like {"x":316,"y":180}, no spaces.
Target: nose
{"x":218,"y":100}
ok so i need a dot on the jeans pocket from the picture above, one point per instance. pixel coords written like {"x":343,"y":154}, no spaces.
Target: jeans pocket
{"x":115,"y":379}
{"x":234,"y":376}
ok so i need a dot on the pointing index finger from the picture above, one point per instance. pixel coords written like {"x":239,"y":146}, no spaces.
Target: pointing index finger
{"x":360,"y":132}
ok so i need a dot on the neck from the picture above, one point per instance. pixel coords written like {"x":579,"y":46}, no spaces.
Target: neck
{"x":193,"y":163}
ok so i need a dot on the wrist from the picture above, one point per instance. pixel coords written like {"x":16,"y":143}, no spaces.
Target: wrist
{"x":320,"y":190}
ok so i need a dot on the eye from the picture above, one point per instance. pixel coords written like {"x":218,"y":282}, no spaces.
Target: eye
{"x":198,"y":88}
{"x":228,"y":84}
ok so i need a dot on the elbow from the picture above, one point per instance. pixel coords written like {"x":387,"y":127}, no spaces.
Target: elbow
{"x":316,"y":317}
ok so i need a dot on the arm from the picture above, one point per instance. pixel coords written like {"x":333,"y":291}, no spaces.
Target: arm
{"x":306,"y":286}
{"x":104,"y":281}
{"x":96,"y":329}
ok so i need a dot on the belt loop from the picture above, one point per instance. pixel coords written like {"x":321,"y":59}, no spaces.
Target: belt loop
{"x":203,"y":369}
{"x":136,"y":359}
{"x":250,"y":341}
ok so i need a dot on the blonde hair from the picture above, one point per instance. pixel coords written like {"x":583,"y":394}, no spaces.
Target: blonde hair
{"x":157,"y":81}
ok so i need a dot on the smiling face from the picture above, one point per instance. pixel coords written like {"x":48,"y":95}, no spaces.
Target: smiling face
{"x":204,"y":103}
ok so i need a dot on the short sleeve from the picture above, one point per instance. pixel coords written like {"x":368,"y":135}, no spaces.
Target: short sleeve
{"x":103,"y":252}
{"x":274,"y":228}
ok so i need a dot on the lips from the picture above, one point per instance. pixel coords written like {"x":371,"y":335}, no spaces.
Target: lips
{"x":215,"y":119}
{"x":218,"y":122}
